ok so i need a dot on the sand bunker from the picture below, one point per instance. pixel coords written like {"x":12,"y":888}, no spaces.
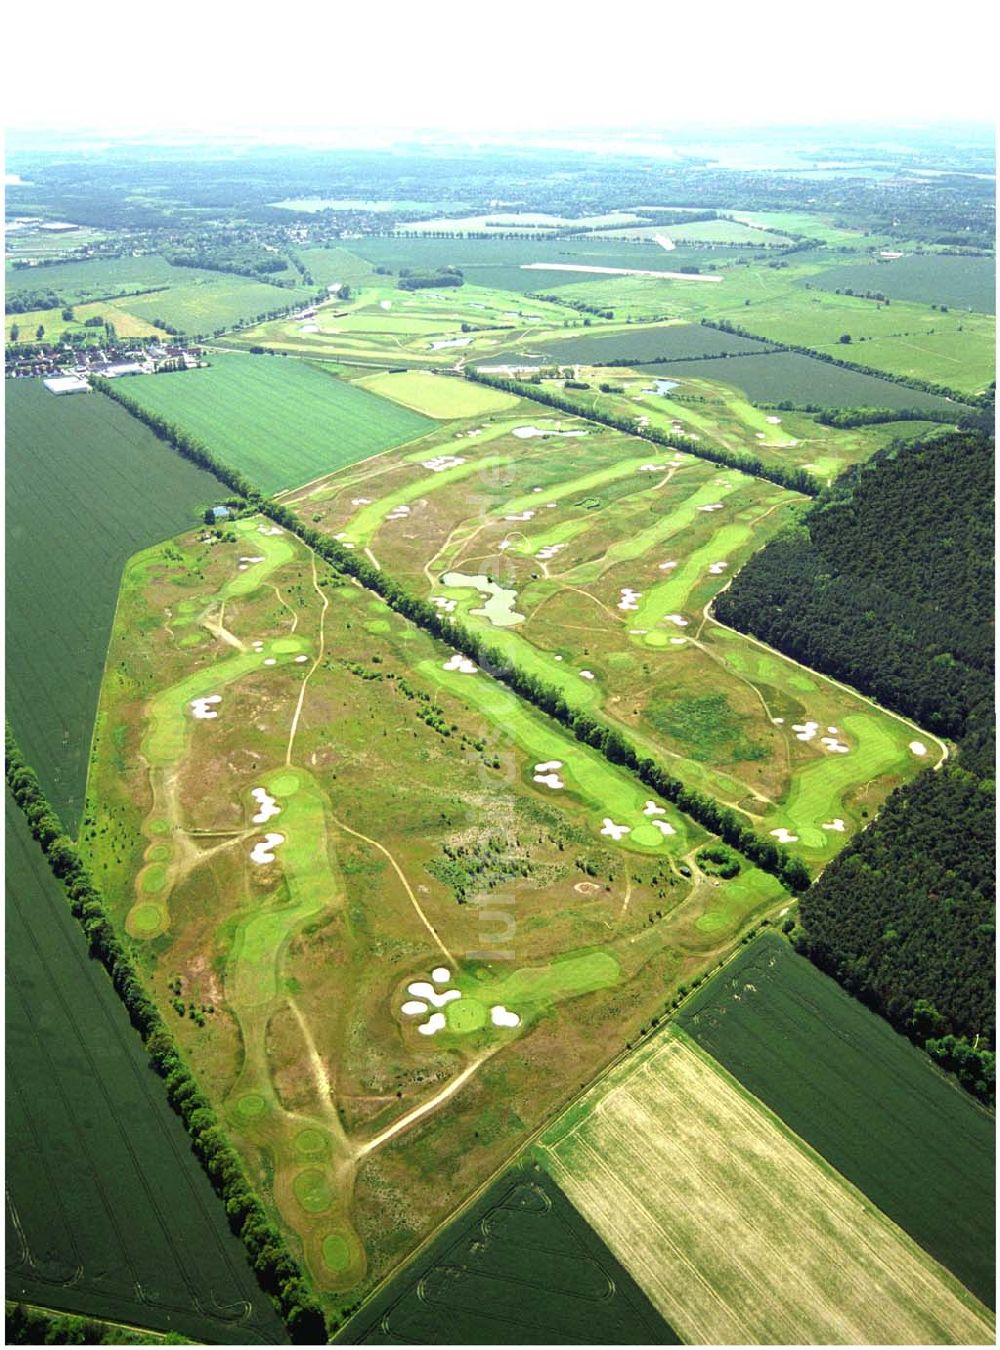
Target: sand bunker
{"x":778,"y":721}
{"x":268,"y":806}
{"x":270,"y":661}
{"x":433,"y":1024}
{"x":254,"y":558}
{"x":258,"y":646}
{"x":654,"y":809}
{"x":832,"y":744}
{"x":550,"y":780}
{"x":460,"y":663}
{"x":269,"y":529}
{"x":361,"y":501}
{"x":413,"y":1006}
{"x":308,"y":327}
{"x":667,"y":566}
{"x":263,"y":850}
{"x":398,"y":512}
{"x":629,"y":598}
{"x":805,"y":731}
{"x":775,"y":421}
{"x":525,"y":433}
{"x":678,"y":619}
{"x":422,"y":989}
{"x":202,"y":707}
{"x":664,"y":827}
{"x":717,"y":568}
{"x":714,"y":506}
{"x":833,"y":731}
{"x":550,"y":551}
{"x":586,"y":675}
{"x":678,"y":642}
{"x":385,"y":304}
{"x":450,"y":342}
{"x":300,"y":659}
{"x":836,"y":824}
{"x":651,"y":468}
{"x":521,"y":515}
{"x":440,"y":974}
{"x":548,"y":765}
{"x":918,"y":747}
{"x":442,"y":602}
{"x":441,"y":462}
{"x":614,"y":831}
{"x":500,"y":1017}
{"x":784,"y":836}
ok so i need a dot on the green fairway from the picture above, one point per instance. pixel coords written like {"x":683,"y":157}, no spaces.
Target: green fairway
{"x":861,"y":1095}
{"x":282,"y":423}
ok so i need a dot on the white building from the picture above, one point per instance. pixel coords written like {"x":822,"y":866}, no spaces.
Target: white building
{"x":66,"y":384}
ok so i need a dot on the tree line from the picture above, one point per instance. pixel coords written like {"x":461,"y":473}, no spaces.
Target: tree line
{"x":797,"y":480}
{"x":730,"y":825}
{"x":278,"y":1272}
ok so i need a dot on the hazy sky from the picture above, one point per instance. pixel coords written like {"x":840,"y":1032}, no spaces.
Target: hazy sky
{"x":506,"y":64}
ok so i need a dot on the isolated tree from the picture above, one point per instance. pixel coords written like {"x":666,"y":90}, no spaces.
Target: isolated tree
{"x":40,"y":332}
{"x":15,"y":332}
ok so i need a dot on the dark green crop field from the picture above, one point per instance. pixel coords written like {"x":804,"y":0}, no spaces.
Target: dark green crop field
{"x":87,"y":485}
{"x":931,"y":278}
{"x":781,"y":376}
{"x":862,"y":1096}
{"x":636,"y":345}
{"x":108,"y":1212}
{"x":279,"y":421}
{"x":521,"y":1267}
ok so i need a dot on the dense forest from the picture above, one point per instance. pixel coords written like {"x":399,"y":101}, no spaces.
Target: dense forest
{"x":888,"y":583}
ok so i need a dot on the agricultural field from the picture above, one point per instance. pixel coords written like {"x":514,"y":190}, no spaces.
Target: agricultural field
{"x":869,"y":1102}
{"x":86,"y":486}
{"x":338,"y":852}
{"x":103,"y":278}
{"x":108,"y":1212}
{"x":966,"y":283}
{"x":330,"y":266}
{"x":595,"y":569}
{"x":735,"y":1228}
{"x":636,"y":345}
{"x":665,"y":398}
{"x":26,"y":325}
{"x":441,"y":399}
{"x":281,"y":423}
{"x":520,"y":1266}
{"x":382,"y":325}
{"x":201,"y":308}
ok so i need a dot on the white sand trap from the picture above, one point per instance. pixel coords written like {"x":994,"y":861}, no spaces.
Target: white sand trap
{"x":778,"y":721}
{"x":586,"y":675}
{"x":667,"y":566}
{"x":678,"y":642}
{"x":525,"y":433}
{"x":269,"y":529}
{"x":385,"y":304}
{"x":308,"y":327}
{"x":548,"y":765}
{"x":761,"y":435}
{"x":412,"y":1006}
{"x":398,"y":512}
{"x":665,"y":828}
{"x":678,"y":619}
{"x":836,"y":824}
{"x":654,"y":809}
{"x":775,"y":421}
{"x":440,"y":974}
{"x":651,"y":468}
{"x":918,"y":747}
{"x":242,"y":567}
{"x":361,"y":501}
{"x":421,"y":989}
{"x":614,"y":831}
{"x":784,"y":836}
{"x":714,"y":506}
{"x":551,"y":506}
{"x":433,"y":1024}
{"x":441,"y":462}
{"x":557,"y":658}
{"x":299,"y":660}
{"x":550,"y":780}
{"x":521,"y":515}
{"x":263,"y":850}
{"x":550,"y":551}
{"x":460,"y":663}
{"x":504,"y":545}
{"x":500,"y":1017}
{"x":718,"y":568}
{"x":442,"y":602}
{"x":629,"y":598}
{"x":268,"y":806}
{"x":833,"y":731}
{"x":258,"y":646}
{"x":831,"y":743}
{"x":805,"y":731}
{"x":270,"y":661}
{"x":202,"y":707}
{"x":254,"y":558}
{"x":450,"y":342}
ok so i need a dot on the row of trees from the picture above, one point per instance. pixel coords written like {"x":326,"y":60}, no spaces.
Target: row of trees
{"x":28,"y":1325}
{"x":911,"y":381}
{"x":798,"y":480}
{"x":730,"y":825}
{"x":276,"y":1269}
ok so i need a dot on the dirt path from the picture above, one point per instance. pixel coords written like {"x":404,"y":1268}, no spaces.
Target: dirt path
{"x":293,"y":612}
{"x":312,"y":669}
{"x":217,"y":629}
{"x":424,"y":1109}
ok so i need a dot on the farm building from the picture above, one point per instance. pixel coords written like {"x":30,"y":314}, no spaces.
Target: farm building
{"x":66,"y":384}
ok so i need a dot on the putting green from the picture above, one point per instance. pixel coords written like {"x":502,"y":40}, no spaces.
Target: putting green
{"x":336,"y":1252}
{"x":153,"y":878}
{"x":283,"y":784}
{"x":312,"y":1190}
{"x":378,"y":626}
{"x":249,"y":1107}
{"x":191,"y":639}
{"x":465,"y":1015}
{"x":311,"y":1143}
{"x":158,"y":827}
{"x":158,"y":853}
{"x":283,"y":645}
{"x":146,"y":920}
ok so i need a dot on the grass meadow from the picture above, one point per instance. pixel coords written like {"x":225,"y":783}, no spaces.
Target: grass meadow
{"x":86,"y":486}
{"x":861,"y":1095}
{"x":109,"y":1213}
{"x":962,"y":283}
{"x":280,"y":422}
{"x":219,"y":301}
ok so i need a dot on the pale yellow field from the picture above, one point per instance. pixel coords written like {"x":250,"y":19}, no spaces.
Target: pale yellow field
{"x":126,"y":325}
{"x":439,"y":396}
{"x":738,"y":1232}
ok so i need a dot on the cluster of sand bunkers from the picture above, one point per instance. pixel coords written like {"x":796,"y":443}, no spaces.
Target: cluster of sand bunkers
{"x":425,"y":996}
{"x":439,"y":463}
{"x":806,"y":731}
{"x":652,"y":809}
